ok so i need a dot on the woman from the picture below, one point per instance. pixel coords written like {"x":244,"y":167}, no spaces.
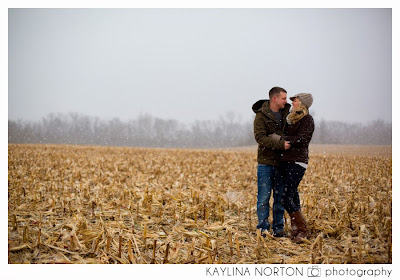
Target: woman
{"x":293,"y":162}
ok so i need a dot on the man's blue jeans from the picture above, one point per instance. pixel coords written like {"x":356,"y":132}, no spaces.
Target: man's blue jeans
{"x":267,"y":181}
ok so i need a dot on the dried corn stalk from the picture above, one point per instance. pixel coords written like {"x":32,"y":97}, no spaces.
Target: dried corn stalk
{"x":72,"y":204}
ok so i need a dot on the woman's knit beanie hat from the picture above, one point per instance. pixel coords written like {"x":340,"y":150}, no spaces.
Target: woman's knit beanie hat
{"x":305,"y":98}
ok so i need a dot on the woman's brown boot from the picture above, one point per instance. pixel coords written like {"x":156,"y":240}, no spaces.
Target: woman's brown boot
{"x":295,"y":230}
{"x":299,"y":227}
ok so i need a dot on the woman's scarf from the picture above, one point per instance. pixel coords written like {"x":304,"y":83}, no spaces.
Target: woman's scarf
{"x":295,"y":116}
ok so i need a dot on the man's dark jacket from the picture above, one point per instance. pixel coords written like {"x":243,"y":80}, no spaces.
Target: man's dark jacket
{"x":265,"y":124}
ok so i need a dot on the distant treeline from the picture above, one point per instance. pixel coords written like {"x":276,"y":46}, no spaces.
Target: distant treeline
{"x":149,"y":131}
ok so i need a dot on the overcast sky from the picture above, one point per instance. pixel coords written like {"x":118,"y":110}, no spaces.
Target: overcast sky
{"x":198,"y":64}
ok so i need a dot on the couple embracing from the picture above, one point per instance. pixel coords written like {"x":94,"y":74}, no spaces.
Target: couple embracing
{"x":283,"y":134}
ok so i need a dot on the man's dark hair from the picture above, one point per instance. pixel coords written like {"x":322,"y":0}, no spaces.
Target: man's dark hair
{"x":276,"y":91}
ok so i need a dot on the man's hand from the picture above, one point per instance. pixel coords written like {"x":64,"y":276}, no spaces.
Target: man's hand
{"x":287,"y":145}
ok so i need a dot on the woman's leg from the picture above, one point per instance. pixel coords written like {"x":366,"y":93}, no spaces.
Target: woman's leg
{"x":290,"y":176}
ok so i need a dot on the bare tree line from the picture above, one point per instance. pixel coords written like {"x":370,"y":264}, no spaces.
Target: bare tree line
{"x":149,"y":131}
{"x":377,"y":132}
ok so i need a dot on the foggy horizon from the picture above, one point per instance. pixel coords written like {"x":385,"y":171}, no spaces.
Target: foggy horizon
{"x":237,"y":118}
{"x":198,"y":64}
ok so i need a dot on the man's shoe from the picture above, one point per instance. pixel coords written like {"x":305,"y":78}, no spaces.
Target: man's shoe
{"x":280,"y":233}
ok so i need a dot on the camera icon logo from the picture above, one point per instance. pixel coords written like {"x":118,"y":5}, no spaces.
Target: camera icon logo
{"x":314,"y":271}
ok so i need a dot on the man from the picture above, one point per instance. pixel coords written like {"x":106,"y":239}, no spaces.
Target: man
{"x":270,"y":119}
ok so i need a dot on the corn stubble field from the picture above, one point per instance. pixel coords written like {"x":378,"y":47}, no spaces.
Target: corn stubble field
{"x":81,"y":204}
